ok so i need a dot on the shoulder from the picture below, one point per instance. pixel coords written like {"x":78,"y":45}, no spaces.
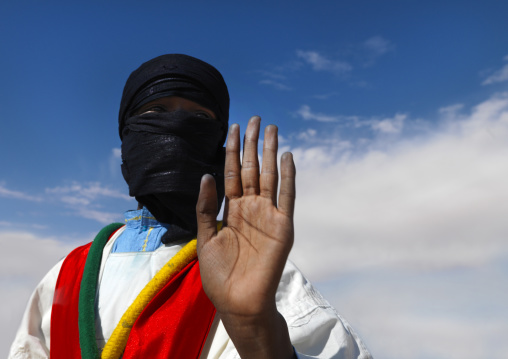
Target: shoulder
{"x":315,"y":327}
{"x":32,"y":337}
{"x":48,"y":283}
{"x":296,"y":290}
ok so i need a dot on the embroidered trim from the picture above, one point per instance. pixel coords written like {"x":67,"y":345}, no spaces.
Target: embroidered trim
{"x":139,"y":217}
{"x":146,"y":239}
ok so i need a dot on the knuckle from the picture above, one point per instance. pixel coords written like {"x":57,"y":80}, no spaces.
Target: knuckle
{"x":269,"y":172}
{"x":247,"y":164}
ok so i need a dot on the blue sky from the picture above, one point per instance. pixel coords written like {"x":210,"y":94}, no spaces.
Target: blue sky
{"x":396,"y":111}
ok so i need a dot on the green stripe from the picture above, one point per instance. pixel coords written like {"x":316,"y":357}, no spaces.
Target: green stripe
{"x":86,"y":307}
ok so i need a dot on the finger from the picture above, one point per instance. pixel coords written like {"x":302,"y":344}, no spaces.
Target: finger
{"x":269,"y":176}
{"x":287,"y":185}
{"x":206,"y":211}
{"x":232,"y":168}
{"x":250,"y":163}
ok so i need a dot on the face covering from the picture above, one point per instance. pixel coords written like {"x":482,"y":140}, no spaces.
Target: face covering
{"x":164,"y":157}
{"x":166,"y":154}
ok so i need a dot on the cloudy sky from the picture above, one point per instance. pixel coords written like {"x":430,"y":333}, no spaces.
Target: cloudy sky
{"x":396,"y":113}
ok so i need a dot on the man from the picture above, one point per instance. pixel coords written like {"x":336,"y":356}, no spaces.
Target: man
{"x":142,"y":293}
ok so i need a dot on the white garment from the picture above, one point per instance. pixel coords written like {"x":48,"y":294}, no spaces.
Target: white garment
{"x":315,"y":328}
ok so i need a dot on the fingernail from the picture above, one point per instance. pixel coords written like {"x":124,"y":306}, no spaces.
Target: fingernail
{"x":287,"y":156}
{"x":272,"y":128}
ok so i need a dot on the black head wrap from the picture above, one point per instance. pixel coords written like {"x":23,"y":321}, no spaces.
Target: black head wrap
{"x":175,"y":75}
{"x":165,"y":155}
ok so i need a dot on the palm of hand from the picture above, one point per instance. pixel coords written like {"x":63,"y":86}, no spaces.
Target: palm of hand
{"x":245,"y":256}
{"x":241,"y":265}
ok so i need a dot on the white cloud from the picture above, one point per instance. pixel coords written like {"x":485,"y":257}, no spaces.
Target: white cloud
{"x":115,"y":160}
{"x":23,"y":225}
{"x":306,"y":113}
{"x":8,"y":193}
{"x":451,"y":112}
{"x":89,"y":191}
{"x":313,"y":139}
{"x":272,"y":75}
{"x":405,"y":235}
{"x":429,"y":203}
{"x":25,"y":258}
{"x":321,"y":63}
{"x":116,"y":153}
{"x":99,"y":216}
{"x":84,"y":199}
{"x":307,"y":135}
{"x":378,"y":46}
{"x":23,"y":250}
{"x":277,"y":76}
{"x":389,"y":125}
{"x":500,"y":75}
{"x":394,"y":310}
{"x":75,"y":201}
{"x":275,"y":84}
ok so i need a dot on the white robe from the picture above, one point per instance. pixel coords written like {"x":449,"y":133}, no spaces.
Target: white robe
{"x":315,"y":328}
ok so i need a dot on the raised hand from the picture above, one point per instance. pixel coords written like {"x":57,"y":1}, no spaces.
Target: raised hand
{"x":242,"y":264}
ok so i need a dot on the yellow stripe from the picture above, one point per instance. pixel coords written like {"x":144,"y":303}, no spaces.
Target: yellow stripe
{"x":118,"y":340}
{"x":138,"y":217}
{"x":146,"y":239}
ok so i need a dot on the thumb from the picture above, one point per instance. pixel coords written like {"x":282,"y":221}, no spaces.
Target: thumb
{"x":206,"y":211}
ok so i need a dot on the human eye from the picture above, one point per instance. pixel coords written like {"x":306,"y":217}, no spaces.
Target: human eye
{"x":154,"y":108}
{"x":203,"y":114}
{"x":151,"y":109}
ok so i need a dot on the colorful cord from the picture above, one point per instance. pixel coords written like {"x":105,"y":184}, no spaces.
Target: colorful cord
{"x":118,"y":340}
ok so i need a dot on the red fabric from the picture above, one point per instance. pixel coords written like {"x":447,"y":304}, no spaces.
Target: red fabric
{"x":176,"y":322}
{"x":64,"y":314}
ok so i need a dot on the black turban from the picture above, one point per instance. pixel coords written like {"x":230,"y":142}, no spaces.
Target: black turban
{"x":176,"y":75}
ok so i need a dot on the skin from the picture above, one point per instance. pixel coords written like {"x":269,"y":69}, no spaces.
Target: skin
{"x":241,"y":265}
